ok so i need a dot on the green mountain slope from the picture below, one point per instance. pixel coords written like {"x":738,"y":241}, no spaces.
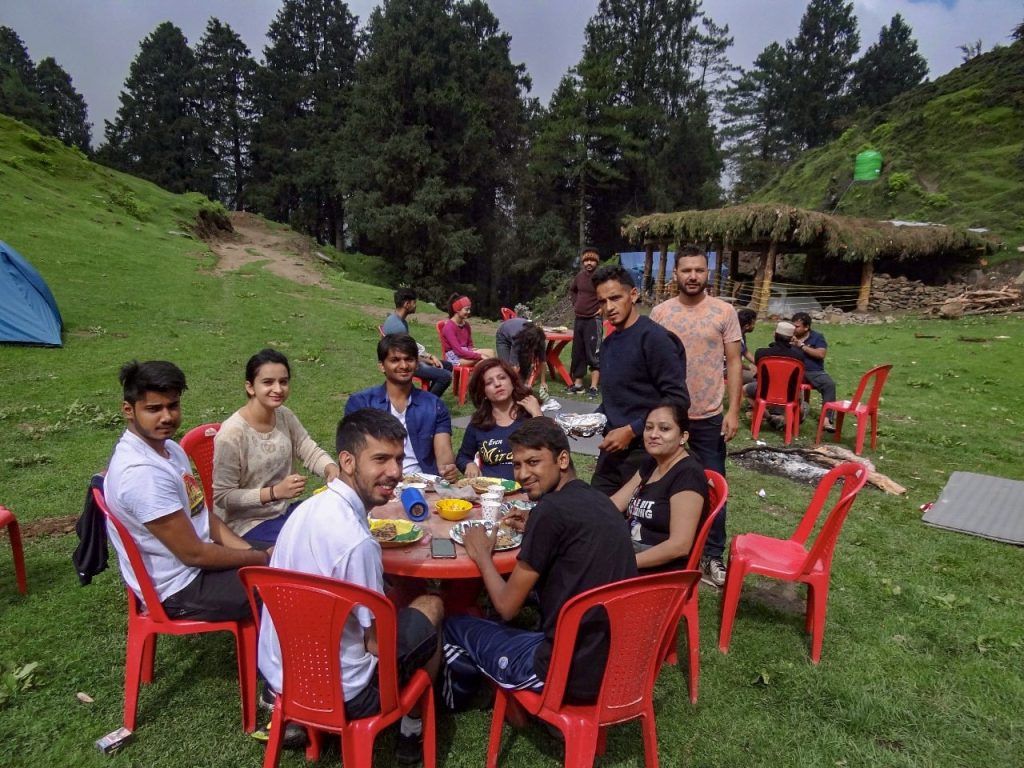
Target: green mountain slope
{"x":131,"y":283}
{"x":953,"y":152}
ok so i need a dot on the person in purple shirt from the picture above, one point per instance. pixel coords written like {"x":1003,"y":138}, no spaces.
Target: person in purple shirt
{"x":457,"y":336}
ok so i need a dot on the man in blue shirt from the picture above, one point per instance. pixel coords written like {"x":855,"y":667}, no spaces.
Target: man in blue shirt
{"x":438,"y":373}
{"x":814,"y":348}
{"x":428,"y":446}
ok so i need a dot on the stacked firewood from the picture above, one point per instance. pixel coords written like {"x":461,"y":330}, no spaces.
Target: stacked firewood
{"x":988,"y":301}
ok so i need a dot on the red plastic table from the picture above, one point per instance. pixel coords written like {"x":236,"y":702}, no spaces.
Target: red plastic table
{"x":556,"y":343}
{"x":460,"y":578}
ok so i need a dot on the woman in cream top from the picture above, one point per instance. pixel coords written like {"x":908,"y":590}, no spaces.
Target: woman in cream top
{"x":255,"y":450}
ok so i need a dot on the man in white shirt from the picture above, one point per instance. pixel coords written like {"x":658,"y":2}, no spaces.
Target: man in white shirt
{"x":192,"y":556}
{"x":329,"y":535}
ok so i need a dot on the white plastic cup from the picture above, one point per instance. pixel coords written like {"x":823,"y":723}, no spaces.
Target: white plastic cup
{"x":491,"y":510}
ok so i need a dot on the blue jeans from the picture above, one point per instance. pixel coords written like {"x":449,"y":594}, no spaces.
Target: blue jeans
{"x":438,"y":378}
{"x":822,"y":382}
{"x":708,"y":445}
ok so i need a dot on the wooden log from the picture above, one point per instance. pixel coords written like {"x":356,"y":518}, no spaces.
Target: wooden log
{"x":864,"y":295}
{"x":763,"y":287}
{"x":648,"y":268}
{"x":659,"y":289}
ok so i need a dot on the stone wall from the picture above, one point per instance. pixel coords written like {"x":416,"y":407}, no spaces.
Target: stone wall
{"x":898,"y":294}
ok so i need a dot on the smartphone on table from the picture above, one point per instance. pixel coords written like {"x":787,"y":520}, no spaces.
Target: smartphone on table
{"x":442,"y":548}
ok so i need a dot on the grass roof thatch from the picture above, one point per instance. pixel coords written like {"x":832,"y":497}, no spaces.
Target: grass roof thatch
{"x":755,"y":227}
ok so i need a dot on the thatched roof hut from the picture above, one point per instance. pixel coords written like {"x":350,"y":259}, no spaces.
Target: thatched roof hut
{"x":774,"y":229}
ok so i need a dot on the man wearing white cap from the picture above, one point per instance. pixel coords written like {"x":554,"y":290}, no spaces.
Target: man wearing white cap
{"x":781,"y":346}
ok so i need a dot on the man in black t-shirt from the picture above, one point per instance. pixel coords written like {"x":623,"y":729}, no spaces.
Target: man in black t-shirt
{"x":574,"y":540}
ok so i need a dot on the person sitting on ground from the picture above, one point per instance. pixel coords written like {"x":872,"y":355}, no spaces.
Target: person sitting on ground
{"x":574,"y":541}
{"x":522,"y":344}
{"x":428,"y":444}
{"x":254,"y":450}
{"x":502,"y":404}
{"x":457,"y":336}
{"x":781,"y":346}
{"x":328,"y":535}
{"x":748,"y":319}
{"x":587,"y":329}
{"x":813,"y":348}
{"x":436,"y":372}
{"x":191,"y":556}
{"x":667,"y":499}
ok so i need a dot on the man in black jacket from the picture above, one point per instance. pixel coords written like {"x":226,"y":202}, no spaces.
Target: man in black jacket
{"x":642,"y":364}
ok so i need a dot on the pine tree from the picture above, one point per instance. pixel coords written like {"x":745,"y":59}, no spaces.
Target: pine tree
{"x":157,"y":133}
{"x":304,"y":91}
{"x":67,"y":115}
{"x":436,"y":120}
{"x":226,"y":90}
{"x":822,"y":60}
{"x":755,"y":120}
{"x":18,"y":96}
{"x":641,"y":130}
{"x":889,"y":67}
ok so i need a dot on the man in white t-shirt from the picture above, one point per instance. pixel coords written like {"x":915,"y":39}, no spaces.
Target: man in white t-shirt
{"x":329,"y":535}
{"x":192,"y":556}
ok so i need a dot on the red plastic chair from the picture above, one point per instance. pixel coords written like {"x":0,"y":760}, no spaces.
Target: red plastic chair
{"x":460,"y":373}
{"x":309,"y":614}
{"x":778,"y":384}
{"x":198,"y":445}
{"x":10,"y":522}
{"x":718,"y":494}
{"x":791,"y":559}
{"x":147,"y":621}
{"x":875,"y":378}
{"x":641,"y":614}
{"x":508,"y":314}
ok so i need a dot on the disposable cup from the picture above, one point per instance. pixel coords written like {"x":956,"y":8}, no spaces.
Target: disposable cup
{"x":491,"y":510}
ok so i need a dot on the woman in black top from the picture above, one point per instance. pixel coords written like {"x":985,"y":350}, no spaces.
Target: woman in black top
{"x":666,"y":500}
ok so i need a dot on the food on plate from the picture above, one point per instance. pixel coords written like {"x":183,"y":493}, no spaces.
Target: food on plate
{"x":506,"y":538}
{"x":385,"y":531}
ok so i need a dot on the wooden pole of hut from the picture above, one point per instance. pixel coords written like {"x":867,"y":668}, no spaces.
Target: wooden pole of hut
{"x":719,"y":267}
{"x":734,"y":269}
{"x":864,"y":294}
{"x":659,"y":289}
{"x":648,"y":268}
{"x":763,"y":280}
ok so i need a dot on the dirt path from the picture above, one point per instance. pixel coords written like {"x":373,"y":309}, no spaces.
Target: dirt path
{"x":285,"y":253}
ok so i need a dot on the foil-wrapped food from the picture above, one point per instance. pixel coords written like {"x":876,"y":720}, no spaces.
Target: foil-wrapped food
{"x":581,"y":424}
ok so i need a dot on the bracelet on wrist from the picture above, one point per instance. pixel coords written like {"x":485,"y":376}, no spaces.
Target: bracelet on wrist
{"x":272,"y":496}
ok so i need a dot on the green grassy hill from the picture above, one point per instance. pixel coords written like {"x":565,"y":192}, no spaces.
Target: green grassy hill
{"x":953,"y":152}
{"x":131,"y":282}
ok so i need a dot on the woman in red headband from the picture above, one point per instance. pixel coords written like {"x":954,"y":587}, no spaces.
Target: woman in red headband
{"x":457,"y":336}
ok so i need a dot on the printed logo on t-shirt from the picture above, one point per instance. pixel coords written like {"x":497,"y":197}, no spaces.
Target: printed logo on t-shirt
{"x":495,"y":451}
{"x":196,"y":499}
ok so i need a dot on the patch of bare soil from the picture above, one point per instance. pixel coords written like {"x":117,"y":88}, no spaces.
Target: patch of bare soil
{"x":287,"y":254}
{"x":49,"y":526}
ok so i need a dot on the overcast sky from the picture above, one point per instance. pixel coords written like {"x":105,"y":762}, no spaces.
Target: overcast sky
{"x":96,"y":40}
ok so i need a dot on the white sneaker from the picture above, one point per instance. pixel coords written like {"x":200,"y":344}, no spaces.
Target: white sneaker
{"x":714,"y":571}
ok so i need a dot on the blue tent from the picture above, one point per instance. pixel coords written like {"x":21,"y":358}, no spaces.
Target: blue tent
{"x":28,"y":311}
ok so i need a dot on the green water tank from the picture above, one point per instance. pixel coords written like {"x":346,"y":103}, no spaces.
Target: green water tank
{"x":867,"y":166}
